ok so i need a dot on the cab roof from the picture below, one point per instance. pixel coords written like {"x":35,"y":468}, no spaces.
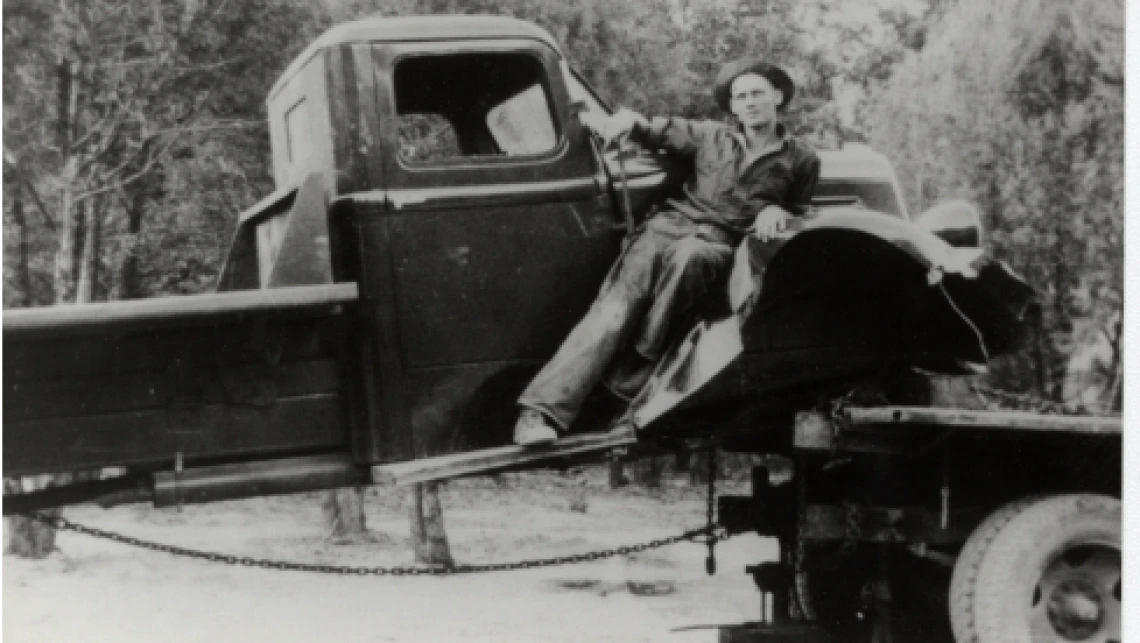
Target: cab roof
{"x":417,"y":29}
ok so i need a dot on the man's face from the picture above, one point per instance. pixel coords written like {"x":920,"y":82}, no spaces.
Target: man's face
{"x":753,"y":100}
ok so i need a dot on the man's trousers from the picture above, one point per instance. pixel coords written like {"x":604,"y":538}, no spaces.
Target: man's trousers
{"x":662,"y":273}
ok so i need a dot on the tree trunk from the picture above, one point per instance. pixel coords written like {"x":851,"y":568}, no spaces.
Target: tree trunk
{"x":64,"y":276}
{"x":1040,"y":353}
{"x":24,"y":537}
{"x":344,"y":514}
{"x":647,"y":471}
{"x":28,"y":538}
{"x":617,"y":472}
{"x":1113,"y":397}
{"x":579,"y":498}
{"x":429,"y":538}
{"x":24,"y":278}
{"x":125,"y":281}
{"x":89,"y":257}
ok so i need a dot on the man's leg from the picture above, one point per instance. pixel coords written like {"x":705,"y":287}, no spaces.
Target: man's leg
{"x":690,"y":267}
{"x":556,"y":394}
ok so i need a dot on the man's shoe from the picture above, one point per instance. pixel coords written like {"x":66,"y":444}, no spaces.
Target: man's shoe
{"x":533,"y":430}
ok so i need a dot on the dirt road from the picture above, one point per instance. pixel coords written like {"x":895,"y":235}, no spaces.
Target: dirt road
{"x":95,"y":590}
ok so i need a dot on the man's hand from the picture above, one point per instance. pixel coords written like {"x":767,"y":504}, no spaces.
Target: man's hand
{"x":770,"y":223}
{"x":618,"y":124}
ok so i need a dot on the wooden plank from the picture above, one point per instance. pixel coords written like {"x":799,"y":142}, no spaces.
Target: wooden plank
{"x":1012,"y":420}
{"x":173,"y":311}
{"x":487,"y":460}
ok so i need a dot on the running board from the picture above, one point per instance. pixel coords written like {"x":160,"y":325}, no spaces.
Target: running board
{"x":489,"y":460}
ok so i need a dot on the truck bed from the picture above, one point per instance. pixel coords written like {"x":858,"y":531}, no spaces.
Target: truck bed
{"x":152,"y":382}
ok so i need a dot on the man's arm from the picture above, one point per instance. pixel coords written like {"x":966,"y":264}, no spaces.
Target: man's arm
{"x":803,"y":185}
{"x":678,"y":135}
{"x":772,"y":215}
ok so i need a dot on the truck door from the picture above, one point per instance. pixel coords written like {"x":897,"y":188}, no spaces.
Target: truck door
{"x":500,"y":225}
{"x":496,"y":234}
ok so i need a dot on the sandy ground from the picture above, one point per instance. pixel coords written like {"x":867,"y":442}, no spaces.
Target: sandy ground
{"x":95,"y":590}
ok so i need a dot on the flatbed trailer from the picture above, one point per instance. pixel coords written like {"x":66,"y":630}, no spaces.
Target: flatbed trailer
{"x":998,"y":523}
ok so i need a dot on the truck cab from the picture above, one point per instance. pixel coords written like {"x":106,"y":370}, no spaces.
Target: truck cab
{"x":478,"y":216}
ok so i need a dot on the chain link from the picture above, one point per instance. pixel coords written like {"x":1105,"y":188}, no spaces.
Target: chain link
{"x":710,"y":532}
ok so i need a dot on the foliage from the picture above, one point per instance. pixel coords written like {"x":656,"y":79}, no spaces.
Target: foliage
{"x":142,"y":124}
{"x":106,"y":122}
{"x":1014,"y":106}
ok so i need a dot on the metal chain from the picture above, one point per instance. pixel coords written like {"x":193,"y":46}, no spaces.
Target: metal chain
{"x":710,"y":527}
{"x":802,"y":584}
{"x":853,"y":528}
{"x":1026,"y":402}
{"x":710,"y":532}
{"x":711,"y":514}
{"x":800,"y":472}
{"x":852,"y":533}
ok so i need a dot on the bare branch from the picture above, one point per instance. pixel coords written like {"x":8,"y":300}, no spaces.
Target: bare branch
{"x":94,"y":129}
{"x":23,"y":177}
{"x":107,"y":144}
{"x":221,"y":125}
{"x":149,"y":60}
{"x":150,"y":163}
{"x":143,"y":147}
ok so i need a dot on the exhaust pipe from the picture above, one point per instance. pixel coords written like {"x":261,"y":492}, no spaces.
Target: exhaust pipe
{"x":250,"y":479}
{"x":200,"y":484}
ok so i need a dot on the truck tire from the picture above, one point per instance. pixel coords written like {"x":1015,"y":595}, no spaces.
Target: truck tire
{"x":831,"y":595}
{"x":970,"y":561}
{"x":1046,"y":570}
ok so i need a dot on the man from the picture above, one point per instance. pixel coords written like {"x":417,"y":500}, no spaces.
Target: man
{"x":749,"y":177}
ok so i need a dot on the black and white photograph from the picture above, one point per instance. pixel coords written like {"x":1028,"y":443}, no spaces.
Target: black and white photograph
{"x":735,"y":321}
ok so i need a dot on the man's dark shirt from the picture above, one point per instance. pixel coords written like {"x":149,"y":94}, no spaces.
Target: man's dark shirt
{"x":728,"y":187}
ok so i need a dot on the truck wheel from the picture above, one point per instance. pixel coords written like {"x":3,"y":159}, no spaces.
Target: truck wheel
{"x":1043,"y":570}
{"x":830,"y":591}
{"x":970,"y":561}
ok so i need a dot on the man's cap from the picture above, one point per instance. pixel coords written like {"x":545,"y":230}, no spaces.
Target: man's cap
{"x":733,"y":70}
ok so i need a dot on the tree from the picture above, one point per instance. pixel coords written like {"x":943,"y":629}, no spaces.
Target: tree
{"x":1019,"y":107}
{"x":102,"y":100}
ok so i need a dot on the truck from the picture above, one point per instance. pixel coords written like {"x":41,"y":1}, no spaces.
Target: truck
{"x":444,"y":217}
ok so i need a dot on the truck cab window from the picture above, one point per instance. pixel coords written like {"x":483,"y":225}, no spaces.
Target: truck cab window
{"x":425,"y":138}
{"x":483,"y":105}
